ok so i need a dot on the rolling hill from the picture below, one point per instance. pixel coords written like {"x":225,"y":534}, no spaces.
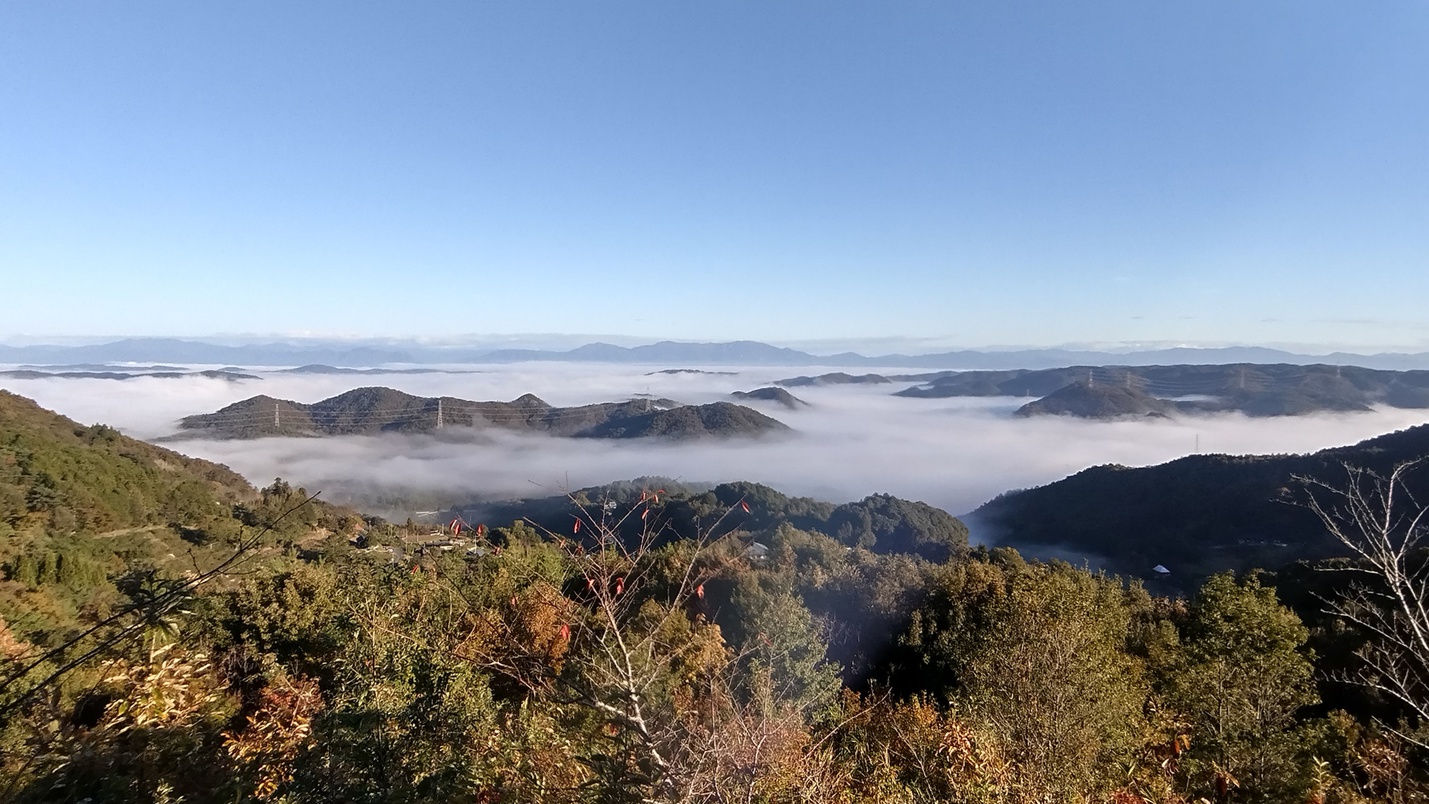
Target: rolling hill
{"x":1098,"y":402}
{"x":367,"y":411}
{"x":1195,"y":515}
{"x":85,"y":512}
{"x":772,"y":394}
{"x":1279,"y":389}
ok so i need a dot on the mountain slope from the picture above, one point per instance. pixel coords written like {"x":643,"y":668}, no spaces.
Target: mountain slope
{"x":1097,"y":402}
{"x":721,"y":419}
{"x":1195,"y":515}
{"x":366,"y":411}
{"x":772,"y":394}
{"x":1278,"y":389}
{"x":58,"y":475}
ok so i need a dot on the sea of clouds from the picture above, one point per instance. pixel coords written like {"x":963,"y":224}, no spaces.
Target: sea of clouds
{"x":852,"y":441}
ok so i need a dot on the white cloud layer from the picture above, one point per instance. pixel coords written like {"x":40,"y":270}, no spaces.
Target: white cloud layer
{"x":853,"y":441}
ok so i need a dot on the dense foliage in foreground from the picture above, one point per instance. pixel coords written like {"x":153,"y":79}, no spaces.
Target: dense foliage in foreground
{"x":644,"y":649}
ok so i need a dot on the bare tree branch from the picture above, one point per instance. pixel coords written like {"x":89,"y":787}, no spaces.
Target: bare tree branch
{"x":1384,"y":527}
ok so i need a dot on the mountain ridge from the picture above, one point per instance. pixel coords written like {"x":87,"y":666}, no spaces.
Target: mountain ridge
{"x":740,"y":352}
{"x":375,"y":409}
{"x":1197,"y":514}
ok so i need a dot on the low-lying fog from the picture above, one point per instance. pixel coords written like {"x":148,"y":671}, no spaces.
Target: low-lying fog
{"x":854,"y":440}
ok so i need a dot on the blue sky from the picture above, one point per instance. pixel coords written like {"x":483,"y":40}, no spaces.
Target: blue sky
{"x":971,"y":174}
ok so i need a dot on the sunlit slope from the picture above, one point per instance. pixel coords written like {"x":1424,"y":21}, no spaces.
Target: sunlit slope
{"x":89,"y":518}
{"x":368,"y":411}
{"x":58,"y":476}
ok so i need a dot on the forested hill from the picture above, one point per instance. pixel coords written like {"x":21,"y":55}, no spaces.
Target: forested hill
{"x":880,"y":523}
{"x":57,"y":475}
{"x":87,"y":513}
{"x":365,"y":411}
{"x":687,"y":421}
{"x":1098,"y":402}
{"x":1195,"y":515}
{"x":1279,"y":389}
{"x":772,"y":394}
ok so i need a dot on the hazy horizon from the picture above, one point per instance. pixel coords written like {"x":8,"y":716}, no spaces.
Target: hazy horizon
{"x":870,"y":347}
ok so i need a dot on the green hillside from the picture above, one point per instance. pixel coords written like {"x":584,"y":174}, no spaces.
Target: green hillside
{"x":1196,"y":515}
{"x":84,"y":511}
{"x":1255,"y":389}
{"x":372,"y":410}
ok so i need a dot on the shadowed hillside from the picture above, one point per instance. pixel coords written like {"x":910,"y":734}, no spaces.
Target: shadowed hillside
{"x":1253,"y":389}
{"x":1195,"y":515}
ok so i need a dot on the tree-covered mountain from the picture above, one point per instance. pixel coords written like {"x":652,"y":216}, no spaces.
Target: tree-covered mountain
{"x":772,"y":394}
{"x":367,"y":411}
{"x":59,"y":476}
{"x":1098,"y":402}
{"x":84,"y":508}
{"x":835,"y":378}
{"x":880,"y":523}
{"x":1279,"y":389}
{"x":1195,"y":515}
{"x":716,"y":419}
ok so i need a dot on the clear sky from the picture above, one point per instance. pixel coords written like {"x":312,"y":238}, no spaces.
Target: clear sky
{"x":972,"y":173}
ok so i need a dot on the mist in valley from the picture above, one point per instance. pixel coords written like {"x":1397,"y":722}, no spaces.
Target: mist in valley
{"x":852,"y":440}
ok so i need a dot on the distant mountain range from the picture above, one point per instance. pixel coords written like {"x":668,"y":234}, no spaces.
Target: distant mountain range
{"x":123,"y":371}
{"x":110,"y":374}
{"x":368,"y":411}
{"x":733,"y":353}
